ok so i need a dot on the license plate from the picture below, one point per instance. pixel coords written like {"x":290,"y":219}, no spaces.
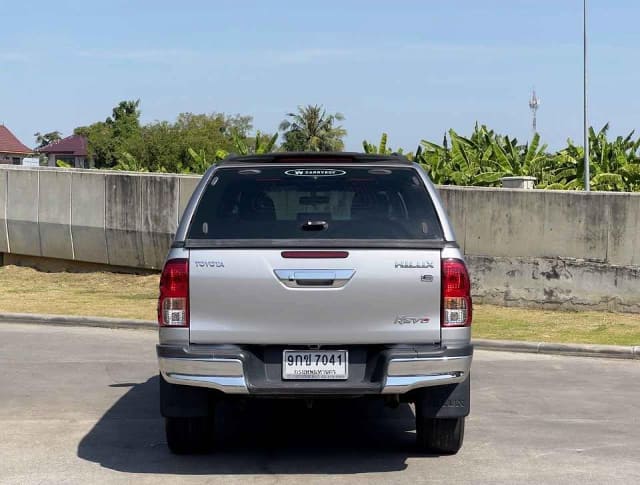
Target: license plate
{"x":315,"y":364}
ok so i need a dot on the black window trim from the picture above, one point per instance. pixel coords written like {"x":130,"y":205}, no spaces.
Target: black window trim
{"x":313,"y":243}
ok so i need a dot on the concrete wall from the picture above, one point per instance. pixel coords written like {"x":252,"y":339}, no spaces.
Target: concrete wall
{"x":106,"y":217}
{"x":540,"y":248}
{"x":596,"y":226}
{"x":22,"y":211}
{"x":553,"y":283}
{"x":549,"y":249}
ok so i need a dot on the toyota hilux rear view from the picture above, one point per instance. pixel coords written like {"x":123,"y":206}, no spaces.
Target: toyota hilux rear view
{"x":315,"y":276}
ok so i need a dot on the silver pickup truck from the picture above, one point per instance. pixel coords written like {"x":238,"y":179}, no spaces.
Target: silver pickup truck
{"x":310,"y":276}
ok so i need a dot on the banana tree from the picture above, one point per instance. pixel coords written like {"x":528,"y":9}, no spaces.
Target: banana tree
{"x":383,"y":149}
{"x":380,"y":149}
{"x":614,"y":165}
{"x":199,"y":163}
{"x":508,"y":159}
{"x":458,"y":160}
{"x":129,"y":163}
{"x":261,"y":143}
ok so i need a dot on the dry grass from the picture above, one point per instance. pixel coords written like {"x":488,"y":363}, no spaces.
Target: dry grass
{"x":25,"y":290}
{"x":495,"y":322}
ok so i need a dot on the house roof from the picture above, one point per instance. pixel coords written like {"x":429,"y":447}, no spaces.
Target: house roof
{"x":72,"y":145}
{"x":10,"y":144}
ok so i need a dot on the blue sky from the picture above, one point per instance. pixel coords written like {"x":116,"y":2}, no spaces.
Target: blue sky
{"x":410,"y":68}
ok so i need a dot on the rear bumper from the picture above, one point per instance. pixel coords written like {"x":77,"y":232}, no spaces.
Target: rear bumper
{"x":225,"y":375}
{"x":257,"y":370}
{"x":407,"y":374}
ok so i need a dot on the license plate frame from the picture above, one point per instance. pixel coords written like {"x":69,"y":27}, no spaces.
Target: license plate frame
{"x":315,"y":362}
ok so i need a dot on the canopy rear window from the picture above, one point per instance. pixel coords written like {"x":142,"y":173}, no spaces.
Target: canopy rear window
{"x":315,"y":203}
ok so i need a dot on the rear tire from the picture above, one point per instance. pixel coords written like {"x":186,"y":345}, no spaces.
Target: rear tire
{"x":439,"y":435}
{"x":189,"y":435}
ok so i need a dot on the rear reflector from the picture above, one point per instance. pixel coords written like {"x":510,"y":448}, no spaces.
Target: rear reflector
{"x":315,"y":254}
{"x":456,"y":294}
{"x":173,"y":303}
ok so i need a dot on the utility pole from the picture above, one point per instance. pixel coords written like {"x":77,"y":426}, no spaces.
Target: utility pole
{"x":534,"y":102}
{"x":587,"y":176}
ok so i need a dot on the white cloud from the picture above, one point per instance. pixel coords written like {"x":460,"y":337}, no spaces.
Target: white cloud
{"x":411,"y":51}
{"x":6,"y":56}
{"x":138,"y":55}
{"x":309,"y":55}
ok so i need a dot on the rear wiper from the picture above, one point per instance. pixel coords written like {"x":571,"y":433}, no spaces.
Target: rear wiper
{"x":314,"y":226}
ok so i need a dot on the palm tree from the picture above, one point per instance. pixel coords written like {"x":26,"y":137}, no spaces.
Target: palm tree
{"x":44,"y":139}
{"x":311,"y":129}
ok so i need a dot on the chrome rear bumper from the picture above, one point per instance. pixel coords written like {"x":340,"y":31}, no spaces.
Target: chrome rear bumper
{"x":407,"y":374}
{"x":225,"y":375}
{"x":227,"y":371}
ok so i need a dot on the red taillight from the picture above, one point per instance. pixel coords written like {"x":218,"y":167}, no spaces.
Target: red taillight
{"x":456,"y":294}
{"x":173,"y":303}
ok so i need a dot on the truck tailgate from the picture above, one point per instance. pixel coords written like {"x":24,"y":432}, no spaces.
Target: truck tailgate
{"x":256,"y":296}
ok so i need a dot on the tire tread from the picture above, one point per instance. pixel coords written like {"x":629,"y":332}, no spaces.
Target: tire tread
{"x":439,"y":435}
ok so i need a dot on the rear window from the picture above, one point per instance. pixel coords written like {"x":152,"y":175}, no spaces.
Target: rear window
{"x":315,"y":203}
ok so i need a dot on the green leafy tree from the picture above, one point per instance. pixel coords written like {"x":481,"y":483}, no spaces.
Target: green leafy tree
{"x":508,"y":159}
{"x":259,"y":144}
{"x":483,"y":158}
{"x":163,"y":146}
{"x":166,"y":144}
{"x":128,"y":162}
{"x":200,"y":163}
{"x":614,"y":165}
{"x":44,"y":139}
{"x":311,"y":129}
{"x":242,"y":146}
{"x":382,"y":149}
{"x":119,"y":133}
{"x":125,"y":119}
{"x":458,"y":160}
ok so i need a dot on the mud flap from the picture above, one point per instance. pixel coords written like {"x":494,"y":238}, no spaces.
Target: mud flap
{"x":452,"y":401}
{"x":184,"y":401}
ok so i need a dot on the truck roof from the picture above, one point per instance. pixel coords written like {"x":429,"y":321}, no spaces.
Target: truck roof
{"x":316,"y":157}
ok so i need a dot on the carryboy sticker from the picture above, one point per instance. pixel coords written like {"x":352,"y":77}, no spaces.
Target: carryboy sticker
{"x":315,"y":172}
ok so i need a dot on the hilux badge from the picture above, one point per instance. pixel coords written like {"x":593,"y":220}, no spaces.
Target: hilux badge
{"x":414,"y":264}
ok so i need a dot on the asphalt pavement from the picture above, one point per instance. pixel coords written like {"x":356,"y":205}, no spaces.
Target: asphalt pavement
{"x":80,"y":405}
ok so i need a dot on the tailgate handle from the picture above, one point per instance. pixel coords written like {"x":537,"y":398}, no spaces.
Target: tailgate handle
{"x":314,"y":278}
